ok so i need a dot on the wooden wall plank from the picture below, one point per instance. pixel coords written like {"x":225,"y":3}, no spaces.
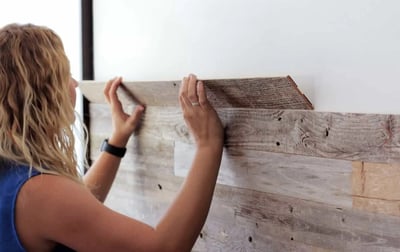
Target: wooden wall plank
{"x":143,"y":153}
{"x":274,"y":93}
{"x":376,"y":187}
{"x":347,"y":136}
{"x":318,"y":179}
{"x":274,"y":222}
{"x":321,"y":225}
{"x":146,"y":184}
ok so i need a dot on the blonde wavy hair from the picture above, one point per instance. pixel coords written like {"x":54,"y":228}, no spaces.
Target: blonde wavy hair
{"x":36,"y":111}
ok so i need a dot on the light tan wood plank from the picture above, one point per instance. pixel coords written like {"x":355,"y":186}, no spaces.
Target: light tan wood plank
{"x":317,"y":179}
{"x":376,"y":187}
{"x":274,"y":93}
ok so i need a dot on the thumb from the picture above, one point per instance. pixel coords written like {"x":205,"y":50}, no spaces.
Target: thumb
{"x":136,"y":115}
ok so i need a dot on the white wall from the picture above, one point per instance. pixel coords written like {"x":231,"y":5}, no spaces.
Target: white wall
{"x":62,"y":16}
{"x":343,"y":54}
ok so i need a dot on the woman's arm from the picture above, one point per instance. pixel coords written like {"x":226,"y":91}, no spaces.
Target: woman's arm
{"x":101,"y":174}
{"x":63,"y":211}
{"x":189,"y":211}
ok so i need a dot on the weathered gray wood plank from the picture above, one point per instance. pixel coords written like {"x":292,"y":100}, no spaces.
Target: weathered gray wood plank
{"x":347,"y":136}
{"x":321,"y":180}
{"x":318,"y":179}
{"x":145,"y":185}
{"x":274,"y":93}
{"x":247,"y":220}
{"x":321,"y":225}
{"x":143,"y":153}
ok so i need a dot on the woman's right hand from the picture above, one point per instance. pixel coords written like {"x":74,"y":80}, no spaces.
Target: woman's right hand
{"x":200,"y":117}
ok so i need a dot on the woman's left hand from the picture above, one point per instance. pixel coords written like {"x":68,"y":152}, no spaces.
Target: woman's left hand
{"x":123,"y":124}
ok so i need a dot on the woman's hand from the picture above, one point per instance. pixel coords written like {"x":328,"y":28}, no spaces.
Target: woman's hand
{"x":123,"y":124}
{"x":199,"y":115}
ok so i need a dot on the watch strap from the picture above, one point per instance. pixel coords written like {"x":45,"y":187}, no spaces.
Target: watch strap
{"x":113,"y":150}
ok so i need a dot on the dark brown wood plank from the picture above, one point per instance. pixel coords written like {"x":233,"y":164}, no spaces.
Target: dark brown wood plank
{"x":272,"y":93}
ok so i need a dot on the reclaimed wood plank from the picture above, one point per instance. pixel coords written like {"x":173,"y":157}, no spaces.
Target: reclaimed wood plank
{"x":376,"y":187}
{"x":143,"y":194}
{"x":248,"y":220}
{"x":136,"y":196}
{"x":272,"y":92}
{"x":143,"y":153}
{"x":310,"y":223}
{"x":318,"y":179}
{"x":347,"y":136}
{"x":145,"y":186}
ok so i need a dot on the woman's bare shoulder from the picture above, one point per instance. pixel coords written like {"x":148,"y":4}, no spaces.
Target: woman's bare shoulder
{"x":65,"y":211}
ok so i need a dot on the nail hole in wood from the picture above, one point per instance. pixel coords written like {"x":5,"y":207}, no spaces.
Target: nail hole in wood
{"x":327,"y":132}
{"x":278,"y":143}
{"x":174,"y":84}
{"x":159,"y":186}
{"x":291,"y":209}
{"x":250,"y":239}
{"x":280,"y":118}
{"x":201,"y":235}
{"x":291,"y":238}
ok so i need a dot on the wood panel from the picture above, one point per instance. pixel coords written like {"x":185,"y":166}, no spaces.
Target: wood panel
{"x":317,"y":179}
{"x":274,"y":93}
{"x":274,"y":201}
{"x":247,"y":220}
{"x":376,"y":187}
{"x":347,"y":136}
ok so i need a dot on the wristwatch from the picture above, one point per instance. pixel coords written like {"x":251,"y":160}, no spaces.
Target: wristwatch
{"x":113,"y":150}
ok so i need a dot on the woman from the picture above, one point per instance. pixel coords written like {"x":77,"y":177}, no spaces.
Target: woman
{"x":43,"y":200}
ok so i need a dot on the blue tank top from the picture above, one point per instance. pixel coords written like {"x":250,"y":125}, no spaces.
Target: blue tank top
{"x":12,"y":178}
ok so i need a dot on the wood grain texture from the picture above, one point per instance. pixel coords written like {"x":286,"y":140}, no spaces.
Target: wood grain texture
{"x":266,"y":219}
{"x":347,"y":136}
{"x":317,"y":179}
{"x":376,"y":187}
{"x":143,"y":153}
{"x":273,"y":93}
{"x":247,"y":220}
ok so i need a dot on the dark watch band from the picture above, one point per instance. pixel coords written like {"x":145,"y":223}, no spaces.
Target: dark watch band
{"x":113,"y":150}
